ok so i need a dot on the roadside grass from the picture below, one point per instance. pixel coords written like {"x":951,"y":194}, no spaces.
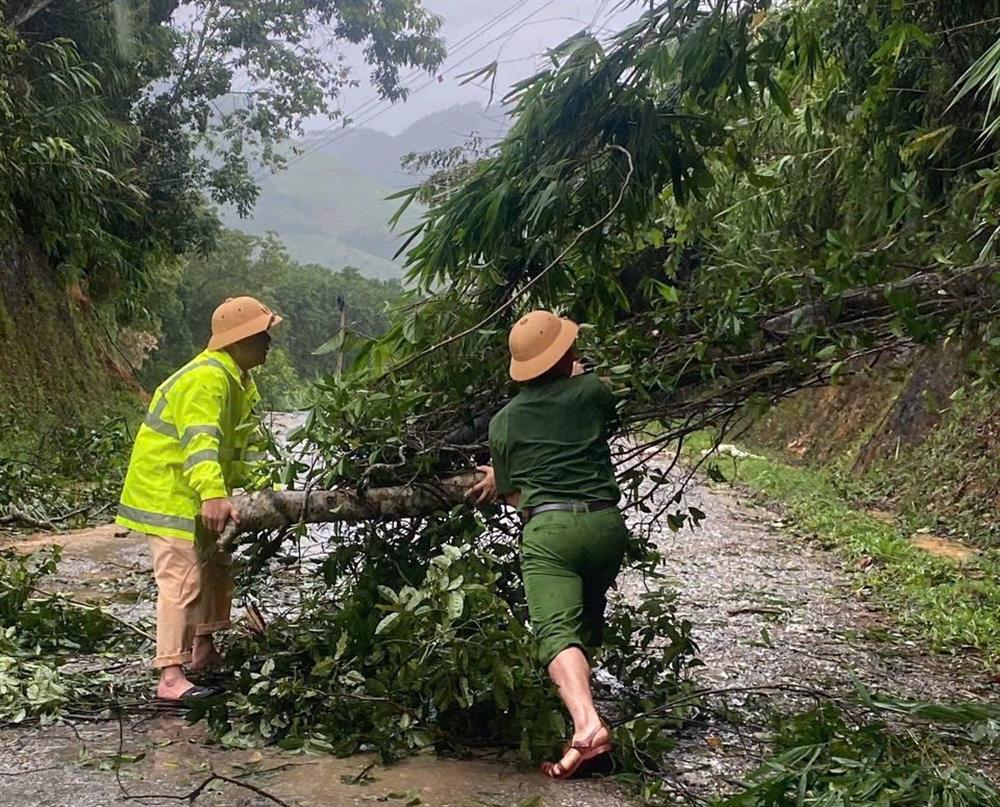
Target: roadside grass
{"x":951,"y":607}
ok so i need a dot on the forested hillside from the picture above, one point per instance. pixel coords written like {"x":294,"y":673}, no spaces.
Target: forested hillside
{"x":330,"y":205}
{"x":381,"y":156}
{"x":112,"y":156}
{"x":326,"y":211}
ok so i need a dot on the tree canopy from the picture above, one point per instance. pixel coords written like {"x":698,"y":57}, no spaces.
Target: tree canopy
{"x":122,"y":123}
{"x":740,"y":199}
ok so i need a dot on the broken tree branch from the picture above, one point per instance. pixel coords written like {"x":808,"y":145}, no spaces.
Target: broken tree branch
{"x":212,"y":777}
{"x":16,"y":516}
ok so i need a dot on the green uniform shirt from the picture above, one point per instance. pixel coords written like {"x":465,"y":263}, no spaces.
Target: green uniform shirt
{"x":551,"y":442}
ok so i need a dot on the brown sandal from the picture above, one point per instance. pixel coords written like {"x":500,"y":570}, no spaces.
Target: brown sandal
{"x":590,"y":757}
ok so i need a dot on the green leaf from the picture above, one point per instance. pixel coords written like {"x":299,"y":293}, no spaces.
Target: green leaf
{"x":331,"y":346}
{"x":456,"y":604}
{"x":386,"y":622}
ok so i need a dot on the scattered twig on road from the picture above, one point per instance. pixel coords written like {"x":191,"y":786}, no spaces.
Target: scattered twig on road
{"x":191,"y":796}
{"x":364,"y":772}
{"x":212,"y":777}
{"x":18,"y":517}
{"x":759,"y":609}
{"x":261,"y":771}
{"x":31,"y":770}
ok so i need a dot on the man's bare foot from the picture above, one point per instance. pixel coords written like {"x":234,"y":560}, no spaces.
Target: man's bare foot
{"x":173,"y":683}
{"x":595,"y":741}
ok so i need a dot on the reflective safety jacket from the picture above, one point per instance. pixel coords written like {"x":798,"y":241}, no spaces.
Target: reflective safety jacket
{"x":193,"y":445}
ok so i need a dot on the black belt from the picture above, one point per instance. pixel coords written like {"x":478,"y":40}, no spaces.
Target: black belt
{"x":571,"y":507}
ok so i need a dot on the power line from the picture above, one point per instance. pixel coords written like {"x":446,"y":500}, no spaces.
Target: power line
{"x":406,"y":83}
{"x":517,"y":4}
{"x":264,"y":173}
{"x":385,"y":104}
{"x":591,"y":26}
{"x":347,"y":130}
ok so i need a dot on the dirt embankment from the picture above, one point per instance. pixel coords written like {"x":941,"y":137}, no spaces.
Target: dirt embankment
{"x":910,"y":433}
{"x":56,"y":358}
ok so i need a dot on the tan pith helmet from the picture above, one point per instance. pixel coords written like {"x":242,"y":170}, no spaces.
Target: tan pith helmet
{"x":537,"y":341}
{"x":237,"y":318}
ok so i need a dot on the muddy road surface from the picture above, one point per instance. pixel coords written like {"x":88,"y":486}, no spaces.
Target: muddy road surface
{"x":769,"y":610}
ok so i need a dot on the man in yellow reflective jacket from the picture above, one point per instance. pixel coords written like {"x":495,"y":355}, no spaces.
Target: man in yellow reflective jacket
{"x":191,"y":451}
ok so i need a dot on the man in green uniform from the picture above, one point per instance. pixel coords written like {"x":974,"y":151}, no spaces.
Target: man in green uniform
{"x":550,"y":458}
{"x":191,"y":451}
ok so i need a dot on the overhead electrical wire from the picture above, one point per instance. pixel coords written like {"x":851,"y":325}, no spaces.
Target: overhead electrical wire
{"x":461,"y":44}
{"x":386,"y":105}
{"x":349,"y":129}
{"x":410,"y":78}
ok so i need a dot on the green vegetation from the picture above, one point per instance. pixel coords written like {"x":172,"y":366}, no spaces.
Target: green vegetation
{"x":739,"y":198}
{"x":44,"y":639}
{"x":114,"y":151}
{"x":56,"y":360}
{"x":307,"y":296}
{"x":61,"y":476}
{"x":860,"y":753}
{"x":949,"y":481}
{"x":112,"y":141}
{"x":445,"y":661}
{"x":950,"y":607}
{"x":685,"y":189}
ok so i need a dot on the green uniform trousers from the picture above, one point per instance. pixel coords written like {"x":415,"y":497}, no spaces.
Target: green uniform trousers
{"x":568,"y":562}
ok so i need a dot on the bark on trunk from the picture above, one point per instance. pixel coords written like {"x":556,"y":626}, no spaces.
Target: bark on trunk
{"x":943,"y":289}
{"x":274,"y":510}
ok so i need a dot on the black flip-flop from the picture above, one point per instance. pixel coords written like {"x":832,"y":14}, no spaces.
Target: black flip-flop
{"x":194,"y":694}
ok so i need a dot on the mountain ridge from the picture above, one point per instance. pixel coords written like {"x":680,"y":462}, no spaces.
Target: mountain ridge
{"x":330,"y":205}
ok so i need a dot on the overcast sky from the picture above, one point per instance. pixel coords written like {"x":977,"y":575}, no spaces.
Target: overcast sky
{"x":515,"y":32}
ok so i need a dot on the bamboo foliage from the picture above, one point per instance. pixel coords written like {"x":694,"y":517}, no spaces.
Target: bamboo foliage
{"x":683,"y":188}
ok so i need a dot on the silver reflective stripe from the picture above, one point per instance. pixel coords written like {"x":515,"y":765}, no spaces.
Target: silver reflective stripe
{"x":156,"y":519}
{"x":160,"y":426}
{"x":192,"y":431}
{"x":255,"y":456}
{"x":155,"y":419}
{"x":208,"y":455}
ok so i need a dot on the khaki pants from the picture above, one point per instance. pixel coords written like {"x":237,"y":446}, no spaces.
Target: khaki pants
{"x":194,"y":595}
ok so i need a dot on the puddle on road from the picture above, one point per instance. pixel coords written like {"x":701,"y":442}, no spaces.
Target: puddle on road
{"x":176,"y":760}
{"x":326,"y":780}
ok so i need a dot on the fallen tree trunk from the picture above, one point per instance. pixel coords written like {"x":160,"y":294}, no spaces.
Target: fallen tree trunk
{"x":269,"y":510}
{"x":945,"y":289}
